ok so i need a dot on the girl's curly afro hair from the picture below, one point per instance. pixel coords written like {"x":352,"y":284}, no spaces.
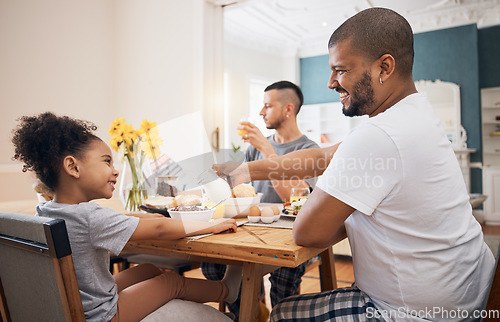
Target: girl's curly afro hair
{"x":43,"y":141}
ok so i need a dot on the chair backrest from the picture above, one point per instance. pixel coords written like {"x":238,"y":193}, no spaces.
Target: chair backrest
{"x":493,"y":303}
{"x":37,"y":276}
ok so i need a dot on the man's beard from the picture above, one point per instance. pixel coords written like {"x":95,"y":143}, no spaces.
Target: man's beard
{"x":363,"y":99}
{"x":276,"y":124}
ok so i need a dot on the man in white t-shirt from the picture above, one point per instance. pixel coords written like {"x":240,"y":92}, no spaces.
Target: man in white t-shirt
{"x":393,"y":187}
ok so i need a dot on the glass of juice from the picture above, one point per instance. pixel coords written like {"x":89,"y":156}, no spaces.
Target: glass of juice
{"x":243,"y":132}
{"x":298,"y":194}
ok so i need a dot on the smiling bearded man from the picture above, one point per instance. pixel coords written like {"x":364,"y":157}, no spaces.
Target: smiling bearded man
{"x":418,"y":252}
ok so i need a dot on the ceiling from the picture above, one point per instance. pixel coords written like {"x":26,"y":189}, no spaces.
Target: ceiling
{"x":302,"y":27}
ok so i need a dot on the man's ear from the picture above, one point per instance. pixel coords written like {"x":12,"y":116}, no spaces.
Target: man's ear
{"x":387,"y":66}
{"x":289,"y":110}
{"x":70,"y":166}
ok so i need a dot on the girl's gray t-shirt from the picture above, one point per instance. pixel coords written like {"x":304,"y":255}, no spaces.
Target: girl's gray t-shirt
{"x":94,"y":233}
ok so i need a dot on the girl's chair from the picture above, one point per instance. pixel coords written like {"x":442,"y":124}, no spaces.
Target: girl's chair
{"x":38,"y":281}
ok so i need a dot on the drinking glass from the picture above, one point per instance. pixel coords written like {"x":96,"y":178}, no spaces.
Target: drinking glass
{"x":243,"y":132}
{"x":299,"y":193}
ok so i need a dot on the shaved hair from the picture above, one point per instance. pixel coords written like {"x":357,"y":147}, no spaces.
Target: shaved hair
{"x":289,"y":93}
{"x":377,"y":31}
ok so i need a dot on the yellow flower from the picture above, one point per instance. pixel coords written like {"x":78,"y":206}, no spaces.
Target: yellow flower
{"x":146,"y":139}
{"x":147,"y":126}
{"x":115,"y":142}
{"x":116,"y":127}
{"x":151,"y":142}
{"x":151,"y":151}
{"x":129,"y":135}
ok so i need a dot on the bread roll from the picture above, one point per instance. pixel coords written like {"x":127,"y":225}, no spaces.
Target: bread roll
{"x":161,"y":202}
{"x":244,"y":190}
{"x":187,"y":200}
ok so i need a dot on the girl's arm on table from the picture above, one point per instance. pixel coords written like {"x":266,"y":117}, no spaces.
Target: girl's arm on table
{"x":168,"y":228}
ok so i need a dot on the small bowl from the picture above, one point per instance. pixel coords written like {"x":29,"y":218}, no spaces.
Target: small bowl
{"x":238,"y":207}
{"x":267,"y":220}
{"x":253,"y":218}
{"x":196,"y":215}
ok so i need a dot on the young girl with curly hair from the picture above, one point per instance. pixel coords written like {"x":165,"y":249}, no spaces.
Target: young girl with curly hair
{"x":78,"y":167}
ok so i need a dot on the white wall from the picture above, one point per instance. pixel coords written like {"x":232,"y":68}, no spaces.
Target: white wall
{"x":242,"y":64}
{"x":98,"y":60}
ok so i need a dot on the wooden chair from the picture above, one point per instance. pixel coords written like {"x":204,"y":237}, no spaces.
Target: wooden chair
{"x":37,"y":276}
{"x":38,"y":281}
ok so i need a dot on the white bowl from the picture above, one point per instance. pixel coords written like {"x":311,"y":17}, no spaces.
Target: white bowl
{"x":277,"y":217}
{"x":197,"y":215}
{"x":267,"y":220}
{"x":253,"y":218}
{"x":238,"y":207}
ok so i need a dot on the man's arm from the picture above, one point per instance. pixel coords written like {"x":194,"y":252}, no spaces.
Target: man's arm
{"x":255,"y":137}
{"x":320,"y":222}
{"x":300,"y":164}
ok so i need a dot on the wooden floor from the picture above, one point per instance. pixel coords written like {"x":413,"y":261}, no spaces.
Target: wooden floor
{"x":310,"y":281}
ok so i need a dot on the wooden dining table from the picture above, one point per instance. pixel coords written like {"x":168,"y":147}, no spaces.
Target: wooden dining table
{"x":259,"y":250}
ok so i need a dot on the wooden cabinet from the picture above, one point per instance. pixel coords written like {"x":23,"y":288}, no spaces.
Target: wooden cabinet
{"x":490,"y":119}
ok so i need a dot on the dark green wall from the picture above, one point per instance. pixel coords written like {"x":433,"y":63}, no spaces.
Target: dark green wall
{"x":463,"y":55}
{"x":451,"y":55}
{"x":314,"y":75}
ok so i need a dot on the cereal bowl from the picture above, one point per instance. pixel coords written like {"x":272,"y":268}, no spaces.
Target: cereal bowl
{"x":192,"y":213}
{"x":238,"y":207}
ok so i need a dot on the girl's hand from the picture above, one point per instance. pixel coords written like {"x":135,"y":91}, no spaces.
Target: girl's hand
{"x":222,"y":224}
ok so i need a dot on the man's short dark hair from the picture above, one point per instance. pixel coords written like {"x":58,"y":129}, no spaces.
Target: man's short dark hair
{"x":377,"y":31}
{"x":288,"y":85}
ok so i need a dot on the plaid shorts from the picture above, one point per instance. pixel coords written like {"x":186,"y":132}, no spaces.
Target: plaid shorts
{"x":343,"y":304}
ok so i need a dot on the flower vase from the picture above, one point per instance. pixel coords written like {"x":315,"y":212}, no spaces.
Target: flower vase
{"x":131,"y":189}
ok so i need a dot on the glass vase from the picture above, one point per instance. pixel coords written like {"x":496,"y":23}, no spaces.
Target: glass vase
{"x":132,"y":189}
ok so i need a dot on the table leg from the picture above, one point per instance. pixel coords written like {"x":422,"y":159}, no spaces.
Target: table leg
{"x":250,"y":292}
{"x":328,"y":270}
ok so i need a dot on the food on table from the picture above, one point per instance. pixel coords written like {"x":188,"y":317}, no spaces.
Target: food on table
{"x":189,"y":208}
{"x":254,"y":211}
{"x":267,"y":215}
{"x":244,"y":190}
{"x":165,"y":189}
{"x":161,"y":202}
{"x":276,"y":210}
{"x":293,"y":207}
{"x":188,"y":200}
{"x":267,"y":212}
